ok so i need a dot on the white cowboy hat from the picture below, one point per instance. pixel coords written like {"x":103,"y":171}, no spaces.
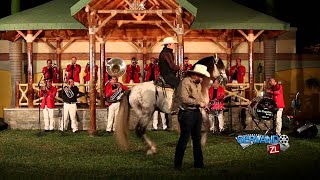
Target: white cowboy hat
{"x":168,"y":40}
{"x":200,"y":69}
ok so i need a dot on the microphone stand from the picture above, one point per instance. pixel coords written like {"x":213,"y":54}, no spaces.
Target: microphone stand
{"x":39,"y":121}
{"x":62,"y":114}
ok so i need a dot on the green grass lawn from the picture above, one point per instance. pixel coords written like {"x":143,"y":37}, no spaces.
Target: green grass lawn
{"x":79,"y":156}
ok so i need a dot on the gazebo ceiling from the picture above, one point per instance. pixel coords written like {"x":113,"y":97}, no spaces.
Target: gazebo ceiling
{"x":125,"y":15}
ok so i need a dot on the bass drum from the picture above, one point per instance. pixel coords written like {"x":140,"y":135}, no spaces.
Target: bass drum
{"x":262,"y":108}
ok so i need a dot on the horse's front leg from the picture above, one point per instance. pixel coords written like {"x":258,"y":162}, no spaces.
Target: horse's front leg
{"x":141,"y":132}
{"x":205,"y":127}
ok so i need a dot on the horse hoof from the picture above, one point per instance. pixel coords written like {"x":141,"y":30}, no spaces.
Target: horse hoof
{"x":152,"y":151}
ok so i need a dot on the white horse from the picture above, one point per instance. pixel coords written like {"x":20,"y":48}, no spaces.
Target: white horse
{"x":146,"y":97}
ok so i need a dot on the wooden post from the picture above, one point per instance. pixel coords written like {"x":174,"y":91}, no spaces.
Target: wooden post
{"x":30,"y":68}
{"x":17,"y":94}
{"x":144,"y":56}
{"x":102,"y":68}
{"x":229,"y":53}
{"x":58,"y":58}
{"x":180,"y":49}
{"x":250,"y":38}
{"x":251,"y":64}
{"x":180,"y":33}
{"x":92,"y":85}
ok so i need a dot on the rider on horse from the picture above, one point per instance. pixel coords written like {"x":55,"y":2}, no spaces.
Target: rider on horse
{"x":168,"y":68}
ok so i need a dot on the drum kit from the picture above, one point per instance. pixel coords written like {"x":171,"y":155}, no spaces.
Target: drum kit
{"x":263,"y":108}
{"x":216,"y":105}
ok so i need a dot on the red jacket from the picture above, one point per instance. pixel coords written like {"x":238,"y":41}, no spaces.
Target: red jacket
{"x":108,"y":90}
{"x":76,"y":72}
{"x":186,"y":68}
{"x":277,"y":95}
{"x":136,"y":76}
{"x":54,"y":76}
{"x":240,"y":75}
{"x":87,"y":71}
{"x":49,"y":98}
{"x":156,"y":72}
{"x":220,"y":94}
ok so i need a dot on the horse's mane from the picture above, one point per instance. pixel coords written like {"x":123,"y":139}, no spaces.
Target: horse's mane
{"x":209,"y":61}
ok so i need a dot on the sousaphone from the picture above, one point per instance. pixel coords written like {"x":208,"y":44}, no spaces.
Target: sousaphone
{"x":116,"y":67}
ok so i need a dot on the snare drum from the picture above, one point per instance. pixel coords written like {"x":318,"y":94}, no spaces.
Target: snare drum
{"x":262,"y":108}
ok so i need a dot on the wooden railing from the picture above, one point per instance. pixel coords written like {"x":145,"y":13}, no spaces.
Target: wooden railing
{"x":237,"y":91}
{"x":22,"y":93}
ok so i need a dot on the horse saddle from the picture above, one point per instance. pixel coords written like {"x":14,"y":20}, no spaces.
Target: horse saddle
{"x":162,"y":83}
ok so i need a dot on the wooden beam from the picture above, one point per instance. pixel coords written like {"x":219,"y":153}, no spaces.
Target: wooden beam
{"x":219,"y":44}
{"x":165,"y":4}
{"x":121,"y":22}
{"x":68,"y":44}
{"x":159,"y":25}
{"x":106,"y":20}
{"x":128,"y":11}
{"x":165,"y":20}
{"x":128,"y":3}
{"x":21,"y":34}
{"x":137,"y":45}
{"x":45,"y":40}
{"x":235,"y":46}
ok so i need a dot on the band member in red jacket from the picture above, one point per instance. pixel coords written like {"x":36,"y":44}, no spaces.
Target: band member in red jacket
{"x":153,"y":73}
{"x":133,"y":72}
{"x":51,"y":72}
{"x":237,"y":72}
{"x":73,"y":71}
{"x":216,"y":96}
{"x":48,"y":92}
{"x":152,"y":70}
{"x":87,"y":76}
{"x":276,"y":92}
{"x":113,"y":93}
{"x":186,"y":66}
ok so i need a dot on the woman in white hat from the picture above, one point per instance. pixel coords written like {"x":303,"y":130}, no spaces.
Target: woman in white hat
{"x":168,"y":68}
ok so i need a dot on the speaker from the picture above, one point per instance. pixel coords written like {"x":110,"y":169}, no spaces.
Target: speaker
{"x":309,"y":130}
{"x":3,"y":125}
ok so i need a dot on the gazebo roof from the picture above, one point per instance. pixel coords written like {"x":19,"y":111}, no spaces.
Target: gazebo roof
{"x":227,"y":14}
{"x":49,"y":16}
{"x":202,"y":19}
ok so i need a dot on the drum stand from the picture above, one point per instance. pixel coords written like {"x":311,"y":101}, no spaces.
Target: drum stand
{"x":257,"y":124}
{"x":270,"y":131}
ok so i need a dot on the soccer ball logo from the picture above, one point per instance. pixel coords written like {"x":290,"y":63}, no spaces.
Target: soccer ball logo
{"x":284,"y":142}
{"x":284,"y":139}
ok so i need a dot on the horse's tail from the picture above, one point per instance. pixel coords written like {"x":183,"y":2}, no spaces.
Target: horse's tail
{"x":122,"y":124}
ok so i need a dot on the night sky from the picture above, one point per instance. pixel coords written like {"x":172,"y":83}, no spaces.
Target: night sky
{"x":304,"y":15}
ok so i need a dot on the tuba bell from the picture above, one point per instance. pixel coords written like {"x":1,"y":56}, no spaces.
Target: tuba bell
{"x":116,"y":67}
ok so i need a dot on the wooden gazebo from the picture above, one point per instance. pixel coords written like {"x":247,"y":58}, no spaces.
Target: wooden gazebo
{"x":142,"y":22}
